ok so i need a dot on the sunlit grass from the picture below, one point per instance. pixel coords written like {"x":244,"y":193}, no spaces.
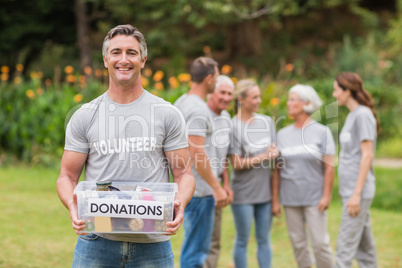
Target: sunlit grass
{"x":36,"y":229}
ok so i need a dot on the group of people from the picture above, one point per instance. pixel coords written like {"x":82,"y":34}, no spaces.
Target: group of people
{"x":293,"y":167}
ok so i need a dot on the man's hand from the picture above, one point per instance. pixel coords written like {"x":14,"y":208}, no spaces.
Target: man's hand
{"x":78,"y":225}
{"x":173,"y":226}
{"x":229,"y":192}
{"x":276,"y":208}
{"x":220,"y":196}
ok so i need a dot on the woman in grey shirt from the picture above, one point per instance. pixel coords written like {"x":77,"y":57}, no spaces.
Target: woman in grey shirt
{"x":355,"y":171}
{"x":250,"y":151}
{"x":304,"y":174}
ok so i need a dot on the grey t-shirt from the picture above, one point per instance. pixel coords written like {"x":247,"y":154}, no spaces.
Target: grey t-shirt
{"x":253,"y":185}
{"x":302,"y":172}
{"x":360,"y":125}
{"x":126,"y":142}
{"x":219,"y":142}
{"x":199,"y":122}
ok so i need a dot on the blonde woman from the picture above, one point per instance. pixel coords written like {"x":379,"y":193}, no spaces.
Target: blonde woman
{"x":250,"y":152}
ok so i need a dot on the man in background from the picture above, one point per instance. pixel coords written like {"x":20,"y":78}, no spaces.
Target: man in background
{"x":218,"y":102}
{"x":199,"y":214}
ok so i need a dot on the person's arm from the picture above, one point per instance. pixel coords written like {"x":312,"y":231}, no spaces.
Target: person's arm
{"x":226,"y":184}
{"x":275,"y":183}
{"x":353,"y":204}
{"x":240,"y":163}
{"x":328,"y":162}
{"x":179,"y":162}
{"x":202,"y":165}
{"x":72,"y":164}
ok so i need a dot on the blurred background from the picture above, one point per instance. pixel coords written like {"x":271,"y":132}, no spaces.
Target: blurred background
{"x":51,"y":61}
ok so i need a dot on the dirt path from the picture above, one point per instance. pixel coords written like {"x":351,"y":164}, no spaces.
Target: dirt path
{"x":388,"y":162}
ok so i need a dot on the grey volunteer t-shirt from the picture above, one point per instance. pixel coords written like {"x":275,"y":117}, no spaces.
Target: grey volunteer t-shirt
{"x":360,"y":125}
{"x":253,"y":185}
{"x":302,"y":172}
{"x":198,"y":123}
{"x":218,"y":145}
{"x":126,"y":142}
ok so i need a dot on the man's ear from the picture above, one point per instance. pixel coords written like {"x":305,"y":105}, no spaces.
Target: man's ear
{"x":143,"y":62}
{"x":104,"y":62}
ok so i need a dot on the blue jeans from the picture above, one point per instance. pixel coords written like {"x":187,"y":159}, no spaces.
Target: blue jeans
{"x":198,"y":226}
{"x":94,"y":251}
{"x":243,"y":216}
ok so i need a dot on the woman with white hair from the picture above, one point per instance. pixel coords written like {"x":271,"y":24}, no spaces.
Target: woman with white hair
{"x":303,"y":178}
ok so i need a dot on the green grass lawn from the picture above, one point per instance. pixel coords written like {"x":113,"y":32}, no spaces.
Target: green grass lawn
{"x":36,"y":229}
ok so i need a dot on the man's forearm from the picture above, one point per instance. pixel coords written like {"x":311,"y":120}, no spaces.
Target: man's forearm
{"x":203,"y":167}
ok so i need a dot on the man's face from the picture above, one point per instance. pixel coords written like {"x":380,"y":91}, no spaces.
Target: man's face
{"x":124,"y":60}
{"x":212,"y":81}
{"x":221,"y":97}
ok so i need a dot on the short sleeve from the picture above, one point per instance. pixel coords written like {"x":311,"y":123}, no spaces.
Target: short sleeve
{"x":198,"y":124}
{"x":273,"y":131}
{"x":366,"y":127}
{"x":235,"y":144}
{"x":175,"y":130}
{"x":76,"y":134}
{"x":329,"y":142}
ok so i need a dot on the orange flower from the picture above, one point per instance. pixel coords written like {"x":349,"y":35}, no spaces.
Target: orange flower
{"x":17,"y":80}
{"x":274,"y":101}
{"x":5,"y":69}
{"x":48,"y":82}
{"x":226,"y":69}
{"x":30,"y":94}
{"x":98,"y":73}
{"x":88,"y":70}
{"x":158,"y":76}
{"x":4,"y":77}
{"x":184,"y":78}
{"x":82,"y":79}
{"x":147,"y":72}
{"x":159,"y":85}
{"x":144,"y":81}
{"x":33,"y":75}
{"x":70,"y":78}
{"x":78,"y":98}
{"x":68,"y":69}
{"x":206,"y":50}
{"x":289,"y":67}
{"x":234,"y":80}
{"x":39,"y":91}
{"x":19,"y":67}
{"x":173,"y":82}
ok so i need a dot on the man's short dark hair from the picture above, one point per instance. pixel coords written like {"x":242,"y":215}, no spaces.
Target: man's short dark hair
{"x":201,"y":68}
{"x":128,"y":30}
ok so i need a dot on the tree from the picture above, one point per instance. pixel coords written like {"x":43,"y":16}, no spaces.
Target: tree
{"x":26,"y":26}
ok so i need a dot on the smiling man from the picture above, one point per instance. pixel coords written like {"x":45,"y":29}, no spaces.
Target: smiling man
{"x":112,"y":136}
{"x":218,"y":102}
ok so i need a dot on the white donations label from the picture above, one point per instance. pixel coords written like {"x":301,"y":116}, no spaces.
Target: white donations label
{"x":125,"y":208}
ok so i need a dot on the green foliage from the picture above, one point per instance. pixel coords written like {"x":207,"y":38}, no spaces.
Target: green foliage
{"x":34,"y":116}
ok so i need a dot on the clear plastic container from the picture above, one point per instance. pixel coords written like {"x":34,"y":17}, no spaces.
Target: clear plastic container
{"x":128,"y":207}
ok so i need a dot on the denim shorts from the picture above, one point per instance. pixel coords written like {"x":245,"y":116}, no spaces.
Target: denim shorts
{"x":94,"y":251}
